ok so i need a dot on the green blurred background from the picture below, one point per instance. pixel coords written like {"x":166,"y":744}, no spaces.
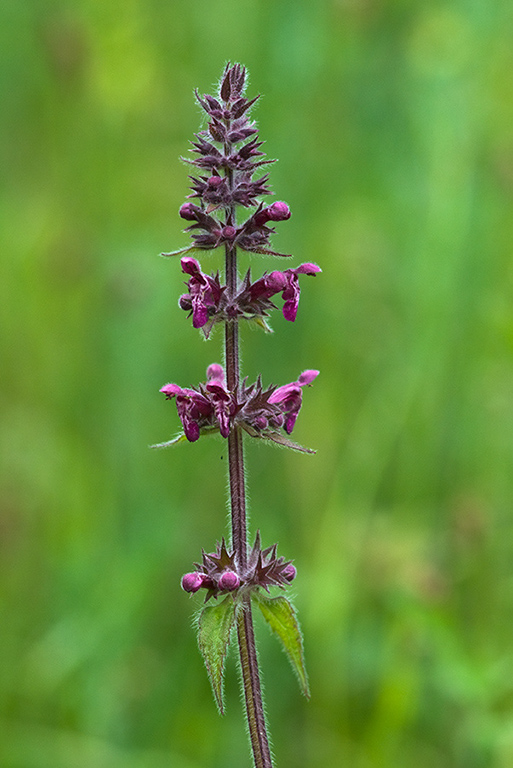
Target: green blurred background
{"x":393,"y":124}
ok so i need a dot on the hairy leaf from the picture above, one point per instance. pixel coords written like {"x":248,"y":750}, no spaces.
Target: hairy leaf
{"x":214,"y":628}
{"x":281,"y":617}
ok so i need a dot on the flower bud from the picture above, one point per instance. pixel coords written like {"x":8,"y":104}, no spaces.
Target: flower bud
{"x":289,"y":572}
{"x":276,"y":420}
{"x":215,"y":181}
{"x":185,"y":302}
{"x":188,"y":212}
{"x":229,"y":232}
{"x":191,"y":582}
{"x":279,"y":211}
{"x":229,"y":581}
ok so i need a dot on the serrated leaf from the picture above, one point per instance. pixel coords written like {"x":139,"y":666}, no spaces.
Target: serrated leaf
{"x":214,"y":628}
{"x":281,"y":617}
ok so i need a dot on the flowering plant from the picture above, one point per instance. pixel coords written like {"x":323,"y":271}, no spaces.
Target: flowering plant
{"x":227,"y":153}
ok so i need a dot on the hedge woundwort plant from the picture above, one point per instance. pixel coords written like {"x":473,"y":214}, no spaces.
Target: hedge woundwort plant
{"x":228,"y":162}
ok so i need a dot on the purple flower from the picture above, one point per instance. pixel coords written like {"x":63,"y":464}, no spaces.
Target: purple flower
{"x":259,"y":412}
{"x":204,"y":293}
{"x":291,"y":291}
{"x":286,"y":283}
{"x":220,"y":397}
{"x":194,"y":409}
{"x":209,"y":406}
{"x":289,"y":398}
{"x":207,"y":300}
{"x":255,"y":297}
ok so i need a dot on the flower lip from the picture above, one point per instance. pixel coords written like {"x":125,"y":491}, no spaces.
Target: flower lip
{"x":190,"y":265}
{"x":215,"y":372}
{"x":171,"y":390}
{"x":307,"y":377}
{"x":309,"y":268}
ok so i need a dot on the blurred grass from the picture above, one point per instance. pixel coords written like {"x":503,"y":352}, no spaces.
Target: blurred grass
{"x":392,"y":121}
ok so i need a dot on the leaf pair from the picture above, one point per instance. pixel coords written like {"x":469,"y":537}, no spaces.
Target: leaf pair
{"x":215,"y":625}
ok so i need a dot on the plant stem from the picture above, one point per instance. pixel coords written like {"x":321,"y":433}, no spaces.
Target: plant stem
{"x":252,"y":690}
{"x":246,"y":635}
{"x":235,"y":448}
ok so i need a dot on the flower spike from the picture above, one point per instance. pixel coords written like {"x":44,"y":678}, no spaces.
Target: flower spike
{"x":227,"y":208}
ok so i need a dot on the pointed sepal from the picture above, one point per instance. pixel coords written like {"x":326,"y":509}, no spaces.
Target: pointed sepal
{"x":215,"y":624}
{"x":175,"y":441}
{"x":281,"y":618}
{"x":276,"y":437}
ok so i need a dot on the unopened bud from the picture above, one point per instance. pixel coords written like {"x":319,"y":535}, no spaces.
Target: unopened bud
{"x":229,"y":581}
{"x":289,"y":572}
{"x":229,"y":232}
{"x":215,"y":181}
{"x":185,"y":302}
{"x":277,"y":420}
{"x":188,"y":212}
{"x":279,"y":211}
{"x":191,"y":582}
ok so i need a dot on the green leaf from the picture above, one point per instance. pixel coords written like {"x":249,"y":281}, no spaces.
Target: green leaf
{"x":214,"y":628}
{"x":281,"y":617}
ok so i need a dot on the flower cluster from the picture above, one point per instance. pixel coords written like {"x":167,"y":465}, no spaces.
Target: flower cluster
{"x":208,"y":232}
{"x":260,"y":412}
{"x":209,"y":303}
{"x":219,"y":571}
{"x":228,"y":181}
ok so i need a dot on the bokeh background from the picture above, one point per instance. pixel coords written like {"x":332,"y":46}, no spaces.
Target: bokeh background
{"x":393,"y":124}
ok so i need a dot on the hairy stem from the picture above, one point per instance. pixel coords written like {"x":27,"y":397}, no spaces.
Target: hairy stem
{"x":246,"y":635}
{"x":252,"y":690}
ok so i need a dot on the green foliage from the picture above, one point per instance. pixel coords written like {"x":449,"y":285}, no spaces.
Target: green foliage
{"x":281,"y":618}
{"x":215,"y":624}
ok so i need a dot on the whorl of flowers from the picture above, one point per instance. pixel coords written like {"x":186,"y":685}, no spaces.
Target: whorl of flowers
{"x":211,"y":407}
{"x":219,"y":572}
